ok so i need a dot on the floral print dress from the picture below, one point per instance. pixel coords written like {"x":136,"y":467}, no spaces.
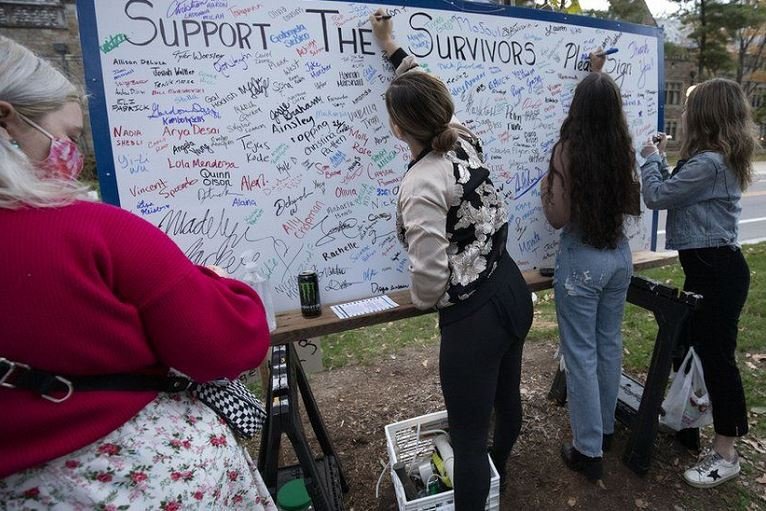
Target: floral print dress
{"x":175,"y":454}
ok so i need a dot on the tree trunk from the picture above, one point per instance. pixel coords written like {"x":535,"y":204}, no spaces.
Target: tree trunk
{"x":703,"y":40}
{"x":741,"y":60}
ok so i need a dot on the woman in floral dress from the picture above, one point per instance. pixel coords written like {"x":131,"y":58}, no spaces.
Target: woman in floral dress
{"x":88,"y":289}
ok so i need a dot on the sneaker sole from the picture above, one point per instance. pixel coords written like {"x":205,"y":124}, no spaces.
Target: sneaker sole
{"x":709,"y":485}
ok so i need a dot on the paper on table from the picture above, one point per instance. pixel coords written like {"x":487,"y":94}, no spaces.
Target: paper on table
{"x":361,"y":307}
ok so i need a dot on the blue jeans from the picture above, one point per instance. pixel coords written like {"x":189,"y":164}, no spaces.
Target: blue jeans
{"x":591,"y":286}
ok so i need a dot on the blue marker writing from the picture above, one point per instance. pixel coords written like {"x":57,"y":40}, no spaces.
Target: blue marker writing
{"x":610,"y":51}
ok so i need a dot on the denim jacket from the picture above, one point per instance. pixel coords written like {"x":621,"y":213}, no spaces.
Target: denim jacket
{"x":702,"y":198}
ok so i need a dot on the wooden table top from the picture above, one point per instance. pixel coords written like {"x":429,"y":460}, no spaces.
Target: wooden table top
{"x":292,"y":326}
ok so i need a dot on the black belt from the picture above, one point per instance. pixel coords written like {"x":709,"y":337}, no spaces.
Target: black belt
{"x":58,"y":388}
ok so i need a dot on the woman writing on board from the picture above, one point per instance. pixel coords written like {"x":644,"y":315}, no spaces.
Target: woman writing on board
{"x":87,"y":289}
{"x":590,"y":187}
{"x":454,"y":227}
{"x":702,"y":197}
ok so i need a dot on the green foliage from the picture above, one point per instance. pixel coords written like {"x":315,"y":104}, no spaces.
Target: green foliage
{"x":706,"y":22}
{"x":623,"y":10}
{"x":628,"y":10}
{"x":728,"y":36}
{"x":745,"y":22}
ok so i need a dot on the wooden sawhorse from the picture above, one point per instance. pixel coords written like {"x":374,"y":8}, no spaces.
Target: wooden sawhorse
{"x":323,"y":475}
{"x":638,"y":407}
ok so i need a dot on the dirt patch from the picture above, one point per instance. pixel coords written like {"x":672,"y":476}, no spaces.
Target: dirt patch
{"x":358,"y":401}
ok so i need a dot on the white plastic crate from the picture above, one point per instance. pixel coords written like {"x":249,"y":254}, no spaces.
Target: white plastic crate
{"x":403,"y":446}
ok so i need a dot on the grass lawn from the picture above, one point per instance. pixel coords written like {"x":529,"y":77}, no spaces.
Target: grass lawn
{"x":639,"y":330}
{"x":365,"y":346}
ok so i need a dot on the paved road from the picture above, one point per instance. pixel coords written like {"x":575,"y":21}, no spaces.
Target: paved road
{"x":752,"y":223}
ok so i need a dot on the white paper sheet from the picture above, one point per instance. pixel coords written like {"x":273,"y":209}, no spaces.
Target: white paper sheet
{"x":361,"y":307}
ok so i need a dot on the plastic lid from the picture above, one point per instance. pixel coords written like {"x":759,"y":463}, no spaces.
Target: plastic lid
{"x":293,"y":496}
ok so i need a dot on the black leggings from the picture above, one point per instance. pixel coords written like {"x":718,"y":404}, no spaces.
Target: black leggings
{"x":480,"y":366}
{"x":722,"y":277}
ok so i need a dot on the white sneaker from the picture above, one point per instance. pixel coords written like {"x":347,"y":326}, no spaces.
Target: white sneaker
{"x":711,"y":470}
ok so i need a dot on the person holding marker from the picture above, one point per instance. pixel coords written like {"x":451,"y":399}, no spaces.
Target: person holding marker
{"x":702,"y":196}
{"x":606,"y":53}
{"x":590,"y":188}
{"x":454,"y":226}
{"x":88,"y":289}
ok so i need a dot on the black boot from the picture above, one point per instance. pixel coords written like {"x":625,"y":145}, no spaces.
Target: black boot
{"x":592,"y":468}
{"x":606,"y":442}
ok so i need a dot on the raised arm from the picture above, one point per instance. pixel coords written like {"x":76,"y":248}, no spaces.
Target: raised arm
{"x":597,"y":60}
{"x":682,"y":188}
{"x":383,"y":30}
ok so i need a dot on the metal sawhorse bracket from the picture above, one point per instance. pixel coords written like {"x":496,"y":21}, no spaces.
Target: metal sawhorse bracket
{"x":324,"y":476}
{"x":639,"y":406}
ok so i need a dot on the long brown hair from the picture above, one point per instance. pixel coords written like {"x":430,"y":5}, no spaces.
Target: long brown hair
{"x":718,"y":118}
{"x":600,"y":161}
{"x":421,"y":106}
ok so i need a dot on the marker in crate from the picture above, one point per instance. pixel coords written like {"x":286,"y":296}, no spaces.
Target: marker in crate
{"x":308,"y":287}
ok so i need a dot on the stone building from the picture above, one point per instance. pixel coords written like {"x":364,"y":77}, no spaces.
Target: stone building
{"x":50,"y":29}
{"x":680,"y":74}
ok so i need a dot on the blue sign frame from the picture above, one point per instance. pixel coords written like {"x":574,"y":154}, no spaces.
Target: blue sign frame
{"x":89,"y":39}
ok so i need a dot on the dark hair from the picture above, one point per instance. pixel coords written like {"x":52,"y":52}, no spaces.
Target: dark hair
{"x":718,"y":118}
{"x":600,"y":160}
{"x":421,"y":106}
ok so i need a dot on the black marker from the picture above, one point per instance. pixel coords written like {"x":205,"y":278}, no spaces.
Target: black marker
{"x":380,"y":18}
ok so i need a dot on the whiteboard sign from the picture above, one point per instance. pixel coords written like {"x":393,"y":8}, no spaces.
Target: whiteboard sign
{"x":257,"y":131}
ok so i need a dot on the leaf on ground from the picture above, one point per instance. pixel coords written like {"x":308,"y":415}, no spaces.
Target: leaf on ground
{"x":754,"y":444}
{"x":641,"y":504}
{"x":759,"y":357}
{"x":424,"y":363}
{"x":751,"y":365}
{"x":761,"y":480}
{"x":571,"y":502}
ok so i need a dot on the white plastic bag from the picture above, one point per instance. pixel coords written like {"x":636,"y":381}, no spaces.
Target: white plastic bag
{"x":687,"y":404}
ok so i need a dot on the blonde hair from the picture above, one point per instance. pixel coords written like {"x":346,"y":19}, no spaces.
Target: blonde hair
{"x":421,"y":106}
{"x":719,"y":118}
{"x":34,"y":89}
